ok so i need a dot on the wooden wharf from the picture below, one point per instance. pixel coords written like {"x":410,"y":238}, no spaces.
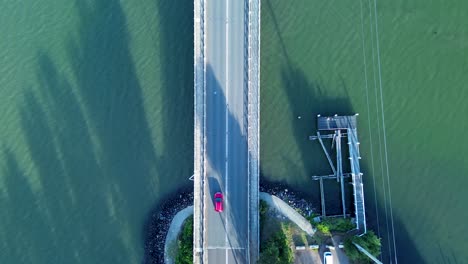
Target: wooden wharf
{"x":343,"y":126}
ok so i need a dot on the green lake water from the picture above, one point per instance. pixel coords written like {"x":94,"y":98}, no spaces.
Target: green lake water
{"x":405,"y":74}
{"x":96,"y":108}
{"x":96,"y":114}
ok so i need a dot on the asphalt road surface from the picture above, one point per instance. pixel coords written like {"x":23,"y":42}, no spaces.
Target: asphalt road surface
{"x":226,"y":233}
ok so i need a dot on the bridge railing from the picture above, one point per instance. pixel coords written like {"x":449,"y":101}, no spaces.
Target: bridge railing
{"x":253,"y":119}
{"x":199,"y":128}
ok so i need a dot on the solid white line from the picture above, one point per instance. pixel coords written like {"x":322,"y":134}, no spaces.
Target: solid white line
{"x":383,"y":127}
{"x":227,"y":122}
{"x":204,"y":192}
{"x":247,"y":6}
{"x":226,"y":248}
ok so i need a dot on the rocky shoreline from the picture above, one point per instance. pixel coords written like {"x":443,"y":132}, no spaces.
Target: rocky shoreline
{"x":293,"y":198}
{"x":160,"y":220}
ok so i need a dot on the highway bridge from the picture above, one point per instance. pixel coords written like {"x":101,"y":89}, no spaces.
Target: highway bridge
{"x":226,"y":132}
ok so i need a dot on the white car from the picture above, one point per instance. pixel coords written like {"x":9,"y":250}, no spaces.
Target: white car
{"x":327,"y":258}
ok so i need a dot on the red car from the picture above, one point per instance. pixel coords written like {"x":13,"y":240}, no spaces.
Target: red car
{"x":218,"y":198}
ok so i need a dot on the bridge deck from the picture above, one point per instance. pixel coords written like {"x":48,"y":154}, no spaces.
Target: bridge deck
{"x":226,"y":134}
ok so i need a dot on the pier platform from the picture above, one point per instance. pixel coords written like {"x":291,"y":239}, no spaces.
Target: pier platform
{"x":343,"y":126}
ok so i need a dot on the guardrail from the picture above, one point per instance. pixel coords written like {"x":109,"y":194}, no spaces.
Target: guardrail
{"x":199,"y":128}
{"x":253,"y":120}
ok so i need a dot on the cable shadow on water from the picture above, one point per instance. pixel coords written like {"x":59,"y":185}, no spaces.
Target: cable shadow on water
{"x":307,"y":96}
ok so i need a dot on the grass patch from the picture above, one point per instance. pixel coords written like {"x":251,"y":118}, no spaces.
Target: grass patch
{"x":263,"y":210}
{"x":269,"y":224}
{"x":185,"y":243}
{"x":324,"y":229}
{"x":369,"y":241}
{"x":277,"y":249}
{"x":329,"y":225}
{"x":298,"y":237}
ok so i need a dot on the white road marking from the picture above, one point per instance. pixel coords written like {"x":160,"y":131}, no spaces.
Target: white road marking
{"x":247,"y":130}
{"x":227,"y":123}
{"x":226,"y":248}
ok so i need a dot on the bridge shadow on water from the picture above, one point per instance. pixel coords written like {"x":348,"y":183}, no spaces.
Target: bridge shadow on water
{"x":90,"y":146}
{"x":298,"y":88}
{"x":91,"y":169}
{"x":174,"y":26}
{"x":308,"y":97}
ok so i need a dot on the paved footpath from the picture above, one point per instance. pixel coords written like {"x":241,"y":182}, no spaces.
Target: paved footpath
{"x":288,"y":211}
{"x":170,"y":245}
